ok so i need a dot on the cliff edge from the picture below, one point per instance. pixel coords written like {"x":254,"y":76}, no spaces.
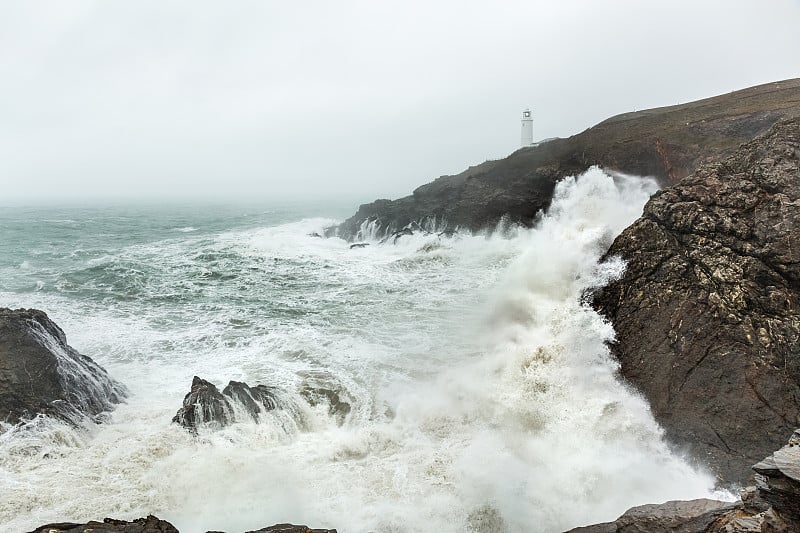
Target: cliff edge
{"x":668,"y":143}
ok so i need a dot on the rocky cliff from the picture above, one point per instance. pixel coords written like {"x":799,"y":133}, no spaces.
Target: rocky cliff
{"x":707,"y":313}
{"x":41,"y":374}
{"x":668,"y":143}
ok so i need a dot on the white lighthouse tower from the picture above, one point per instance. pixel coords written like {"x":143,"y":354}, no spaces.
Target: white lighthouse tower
{"x":527,"y":128}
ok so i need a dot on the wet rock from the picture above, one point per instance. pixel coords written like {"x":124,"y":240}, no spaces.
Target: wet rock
{"x":291,"y":528}
{"x":707,"y":313}
{"x":41,"y":374}
{"x":668,"y":143}
{"x":334,"y":399}
{"x":151,"y":524}
{"x":669,"y":517}
{"x":206,"y":405}
{"x":359,"y":245}
{"x":778,"y":482}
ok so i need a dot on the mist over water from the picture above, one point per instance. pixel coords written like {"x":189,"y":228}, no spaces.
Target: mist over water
{"x":483,"y":396}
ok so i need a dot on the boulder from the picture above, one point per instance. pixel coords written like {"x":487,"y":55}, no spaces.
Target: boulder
{"x":41,"y":374}
{"x":206,"y":405}
{"x":707,"y":312}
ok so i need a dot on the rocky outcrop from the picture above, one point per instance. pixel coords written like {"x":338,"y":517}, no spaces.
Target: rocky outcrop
{"x":778,"y":482}
{"x":151,"y":524}
{"x":41,"y":374}
{"x":206,"y":405}
{"x":771,"y":507}
{"x":685,"y":516}
{"x":668,"y":143}
{"x":707,"y":313}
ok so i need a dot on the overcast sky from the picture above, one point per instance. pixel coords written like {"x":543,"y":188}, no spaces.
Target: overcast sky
{"x":347,"y":98}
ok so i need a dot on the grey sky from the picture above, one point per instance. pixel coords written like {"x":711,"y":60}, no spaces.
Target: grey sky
{"x":364,"y":99}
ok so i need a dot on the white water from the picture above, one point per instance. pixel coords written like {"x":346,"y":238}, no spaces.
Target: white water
{"x":483,"y":396}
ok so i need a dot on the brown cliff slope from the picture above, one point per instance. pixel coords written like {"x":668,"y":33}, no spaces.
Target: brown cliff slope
{"x":668,"y":143}
{"x":707,"y":313}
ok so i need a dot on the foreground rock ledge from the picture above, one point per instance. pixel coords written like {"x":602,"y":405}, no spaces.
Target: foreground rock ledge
{"x":152,"y":524}
{"x":707,"y":313}
{"x":773,"y":506}
{"x":41,"y":374}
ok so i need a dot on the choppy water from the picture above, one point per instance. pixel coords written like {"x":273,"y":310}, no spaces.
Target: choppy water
{"x":483,"y":397}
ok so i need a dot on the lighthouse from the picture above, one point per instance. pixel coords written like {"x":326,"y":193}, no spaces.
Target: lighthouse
{"x":527,"y":128}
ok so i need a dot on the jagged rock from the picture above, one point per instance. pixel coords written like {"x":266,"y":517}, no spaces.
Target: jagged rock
{"x":707,"y":313}
{"x":151,"y":524}
{"x":41,"y":374}
{"x":359,"y":245}
{"x":668,"y":143}
{"x":206,"y":405}
{"x":778,"y":481}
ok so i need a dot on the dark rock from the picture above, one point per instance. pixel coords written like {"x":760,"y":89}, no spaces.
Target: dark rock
{"x":778,"y":481}
{"x":206,"y":405}
{"x":669,"y":517}
{"x":314,"y":234}
{"x":707,"y":313}
{"x":290,"y":528}
{"x":151,"y":524}
{"x":668,"y":143}
{"x":359,"y":245}
{"x":41,"y":374}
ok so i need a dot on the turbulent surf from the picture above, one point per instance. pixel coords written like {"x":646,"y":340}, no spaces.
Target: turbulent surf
{"x":480,"y":393}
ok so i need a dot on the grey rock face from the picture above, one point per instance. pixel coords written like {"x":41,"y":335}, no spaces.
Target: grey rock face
{"x":707,"y":313}
{"x":41,"y":374}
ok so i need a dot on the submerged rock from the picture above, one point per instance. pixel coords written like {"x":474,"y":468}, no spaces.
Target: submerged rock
{"x":334,"y":399}
{"x":707,"y":312}
{"x":41,"y":374}
{"x":206,"y":405}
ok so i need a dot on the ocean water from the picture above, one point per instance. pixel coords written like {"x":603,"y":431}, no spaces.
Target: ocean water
{"x":483,"y":396}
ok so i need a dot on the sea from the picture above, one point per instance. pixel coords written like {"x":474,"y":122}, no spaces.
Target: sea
{"x":483,"y":397}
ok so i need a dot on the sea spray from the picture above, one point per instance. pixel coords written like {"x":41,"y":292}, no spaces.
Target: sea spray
{"x":483,"y":395}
